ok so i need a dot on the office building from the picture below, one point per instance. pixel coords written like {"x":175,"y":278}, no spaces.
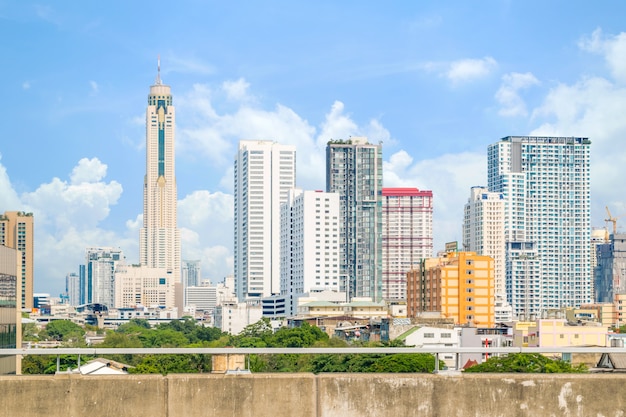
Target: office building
{"x":10,"y":309}
{"x":354,"y":170}
{"x":101,"y":264}
{"x":159,"y":244}
{"x":139,"y":285}
{"x":190,"y":277}
{"x":264,"y":172}
{"x":72,"y":288}
{"x":407,"y":236}
{"x":309,"y":244}
{"x":16,"y":231}
{"x":459,"y":285}
{"x":202,"y":298}
{"x":545,"y":182}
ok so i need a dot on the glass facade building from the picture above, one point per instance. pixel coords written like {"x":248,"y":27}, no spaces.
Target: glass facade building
{"x":354,"y":170}
{"x":10,"y":322}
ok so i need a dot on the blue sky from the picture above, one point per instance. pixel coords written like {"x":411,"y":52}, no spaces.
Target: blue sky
{"x":435,"y":82}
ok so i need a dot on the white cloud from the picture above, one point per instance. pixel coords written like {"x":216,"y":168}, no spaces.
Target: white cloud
{"x":9,"y":199}
{"x":593,"y":107}
{"x":94,"y":87}
{"x":613,"y":50}
{"x":88,"y":170}
{"x":449,"y":177}
{"x":508,"y":93}
{"x":466,"y":70}
{"x":206,"y":223}
{"x":237,"y":90}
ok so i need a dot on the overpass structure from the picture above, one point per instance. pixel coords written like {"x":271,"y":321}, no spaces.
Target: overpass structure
{"x":309,"y":395}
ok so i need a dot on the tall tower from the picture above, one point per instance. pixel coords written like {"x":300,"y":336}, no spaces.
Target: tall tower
{"x":264,"y":173}
{"x":159,"y":245}
{"x":101,"y":264}
{"x":545,"y":182}
{"x":16,"y":231}
{"x":483,"y":230}
{"x":354,"y":170}
{"x":407,"y":236}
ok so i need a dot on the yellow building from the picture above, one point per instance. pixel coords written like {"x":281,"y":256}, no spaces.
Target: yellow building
{"x":460,"y":285}
{"x":16,"y":231}
{"x":603,"y":313}
{"x":558,"y":333}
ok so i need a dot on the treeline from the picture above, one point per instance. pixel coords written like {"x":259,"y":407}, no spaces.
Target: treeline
{"x":137,"y":333}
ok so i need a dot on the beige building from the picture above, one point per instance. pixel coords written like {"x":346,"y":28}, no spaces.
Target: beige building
{"x":140,"y":285}
{"x":559,"y":333}
{"x":10,"y":311}
{"x":16,"y":231}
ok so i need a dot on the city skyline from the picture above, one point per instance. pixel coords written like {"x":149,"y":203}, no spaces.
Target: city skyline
{"x":418,"y":77}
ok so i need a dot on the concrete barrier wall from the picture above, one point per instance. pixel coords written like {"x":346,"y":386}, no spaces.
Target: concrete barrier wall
{"x":307,"y":395}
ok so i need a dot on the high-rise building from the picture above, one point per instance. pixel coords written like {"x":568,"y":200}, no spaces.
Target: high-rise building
{"x":354,"y":170}
{"x":159,"y":244}
{"x":72,"y":288}
{"x":16,"y":231}
{"x":139,"y":285}
{"x":483,"y":230}
{"x":264,"y":172}
{"x":190,"y":276}
{"x":309,"y":244}
{"x":545,"y":182}
{"x":407,"y":236}
{"x":101,"y":264}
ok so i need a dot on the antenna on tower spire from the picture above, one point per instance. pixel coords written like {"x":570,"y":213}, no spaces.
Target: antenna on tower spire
{"x":158,"y":77}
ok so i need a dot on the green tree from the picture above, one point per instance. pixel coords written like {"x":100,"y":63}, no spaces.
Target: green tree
{"x":64,"y":330}
{"x":526,"y":363}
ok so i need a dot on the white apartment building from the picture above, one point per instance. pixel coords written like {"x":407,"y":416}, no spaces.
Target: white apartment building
{"x":203,"y":298}
{"x":407,"y":236}
{"x":483,"y":231}
{"x":100,"y":267}
{"x":264,"y":172}
{"x":545,"y":182}
{"x":309,"y":242}
{"x":233,"y":317}
{"x":139,"y":285}
{"x":159,"y":243}
{"x":354,"y":170}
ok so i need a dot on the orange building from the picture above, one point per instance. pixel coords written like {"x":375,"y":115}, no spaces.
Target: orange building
{"x":459,"y":285}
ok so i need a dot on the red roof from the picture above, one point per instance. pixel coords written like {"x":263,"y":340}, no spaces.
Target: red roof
{"x":406,"y":192}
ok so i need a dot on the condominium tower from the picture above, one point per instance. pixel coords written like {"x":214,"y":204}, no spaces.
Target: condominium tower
{"x":159,"y":245}
{"x":309,"y":243}
{"x":264,"y":172}
{"x":483,"y":230}
{"x":407,"y":236}
{"x":16,"y":231}
{"x":545,"y":182}
{"x":101,"y":264}
{"x":354,"y":170}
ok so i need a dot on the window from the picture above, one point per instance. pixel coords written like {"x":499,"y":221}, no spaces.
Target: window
{"x":429,"y":335}
{"x":446,"y":335}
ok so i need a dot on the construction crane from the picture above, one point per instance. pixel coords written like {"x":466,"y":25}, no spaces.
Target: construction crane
{"x":612,"y":220}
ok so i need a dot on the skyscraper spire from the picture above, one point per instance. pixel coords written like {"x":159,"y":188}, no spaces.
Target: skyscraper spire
{"x":158,"y":77}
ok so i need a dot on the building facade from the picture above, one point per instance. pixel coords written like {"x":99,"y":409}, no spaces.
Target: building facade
{"x":610,"y":271}
{"x":72,"y":288}
{"x":100,"y":267}
{"x":309,"y":244}
{"x":190,"y":277}
{"x":459,"y":285}
{"x":407,"y":236}
{"x":159,"y":243}
{"x":354,"y":170}
{"x":264,"y":172}
{"x":10,"y":308}
{"x":16,"y":231}
{"x":139,"y":285}
{"x":545,"y":182}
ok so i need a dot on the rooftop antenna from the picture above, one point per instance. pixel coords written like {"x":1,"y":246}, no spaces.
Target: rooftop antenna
{"x":158,"y":77}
